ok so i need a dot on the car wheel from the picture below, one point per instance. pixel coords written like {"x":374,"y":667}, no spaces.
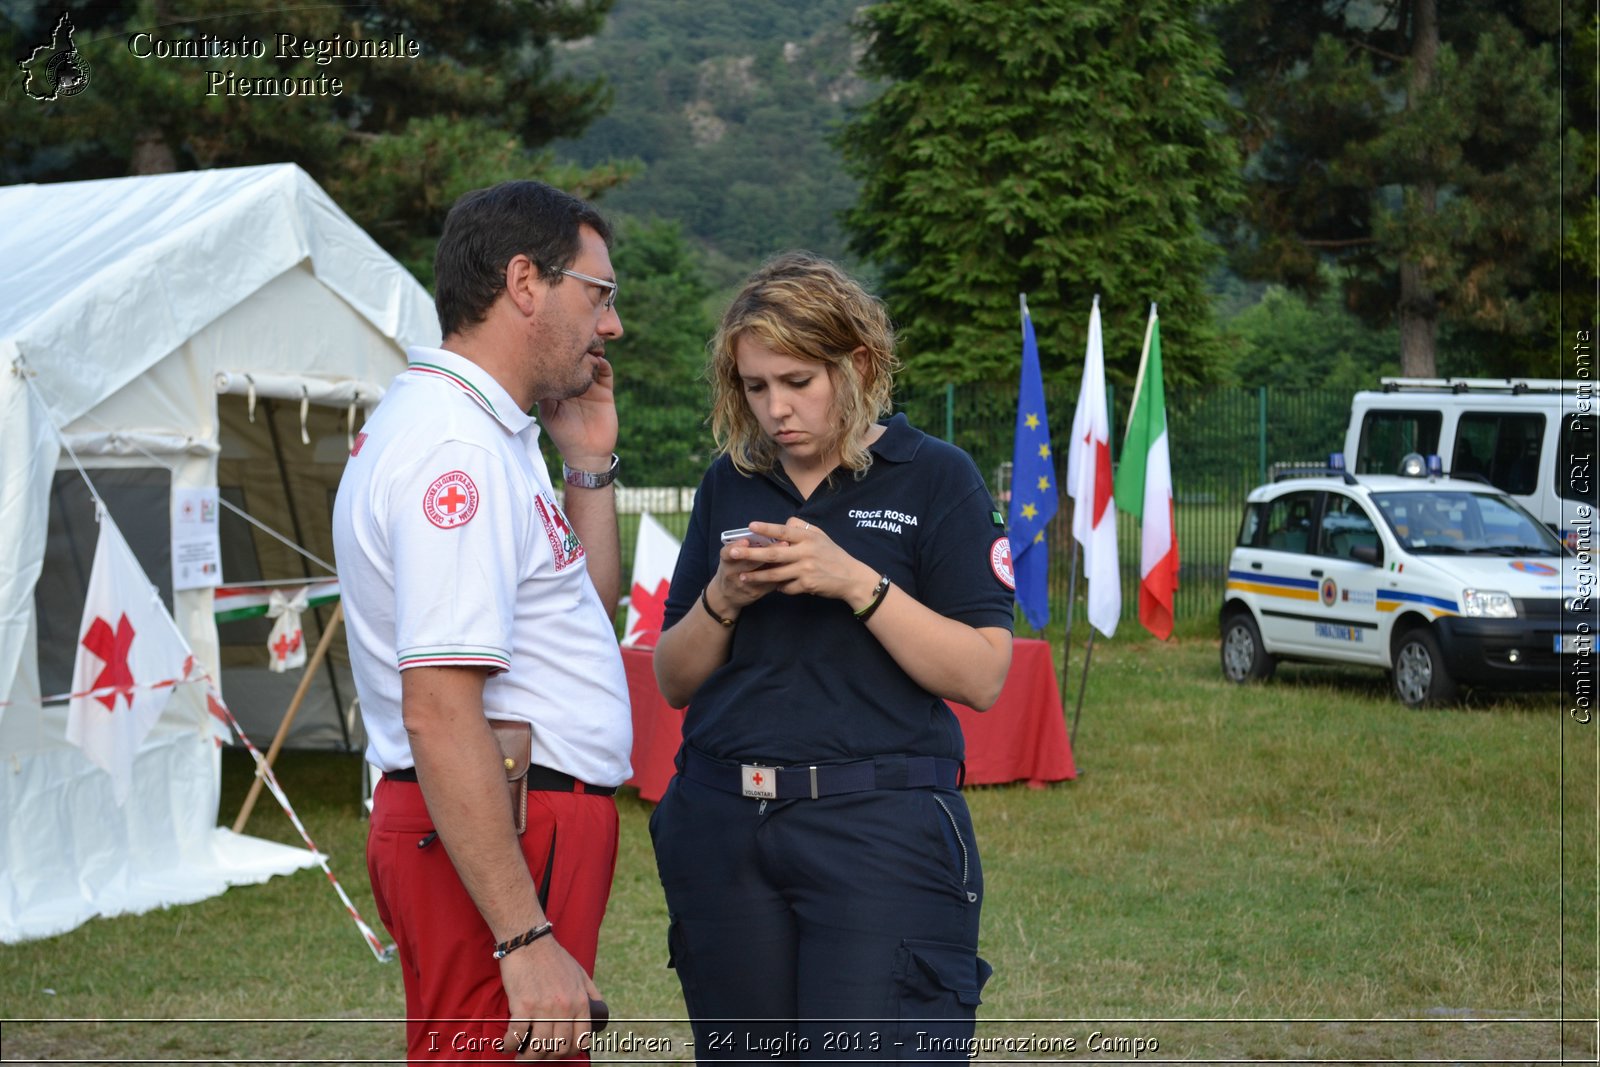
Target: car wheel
{"x":1243,"y":657}
{"x":1421,"y":678}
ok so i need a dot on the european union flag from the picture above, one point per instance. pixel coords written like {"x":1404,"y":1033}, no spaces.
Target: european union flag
{"x":1033,"y":486}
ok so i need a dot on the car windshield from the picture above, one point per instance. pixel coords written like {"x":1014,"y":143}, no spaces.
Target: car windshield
{"x":1449,"y":523}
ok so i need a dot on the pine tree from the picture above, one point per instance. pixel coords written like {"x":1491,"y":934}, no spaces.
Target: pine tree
{"x":662,"y":394}
{"x":1415,"y":146}
{"x":1062,"y":148}
{"x":395,"y":146}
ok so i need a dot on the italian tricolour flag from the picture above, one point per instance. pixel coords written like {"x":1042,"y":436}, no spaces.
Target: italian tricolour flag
{"x":1144,"y":488}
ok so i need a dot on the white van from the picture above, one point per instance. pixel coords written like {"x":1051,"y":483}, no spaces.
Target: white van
{"x":1533,"y":438}
{"x":1440,"y":581}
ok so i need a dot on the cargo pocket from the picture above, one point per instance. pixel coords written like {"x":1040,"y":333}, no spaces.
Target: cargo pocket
{"x":678,"y":960}
{"x":938,"y":987}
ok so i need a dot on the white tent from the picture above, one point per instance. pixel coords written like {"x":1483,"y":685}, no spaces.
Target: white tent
{"x":218,"y":328}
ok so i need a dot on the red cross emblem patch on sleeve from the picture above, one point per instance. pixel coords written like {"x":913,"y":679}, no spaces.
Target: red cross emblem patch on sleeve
{"x":450,"y":501}
{"x":1000,"y":562}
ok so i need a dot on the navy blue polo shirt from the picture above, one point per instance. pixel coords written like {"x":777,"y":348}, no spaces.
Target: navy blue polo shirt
{"x":805,"y":680}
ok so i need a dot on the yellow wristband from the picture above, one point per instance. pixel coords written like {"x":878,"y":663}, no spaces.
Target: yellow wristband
{"x":878,"y":594}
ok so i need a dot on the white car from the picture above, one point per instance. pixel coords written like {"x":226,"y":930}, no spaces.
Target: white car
{"x":1440,"y":581}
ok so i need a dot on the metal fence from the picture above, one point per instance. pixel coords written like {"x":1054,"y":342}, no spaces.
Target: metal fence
{"x":1223,"y":441}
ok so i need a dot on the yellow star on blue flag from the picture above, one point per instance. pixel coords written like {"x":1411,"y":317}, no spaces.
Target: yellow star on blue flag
{"x":1033,"y":486}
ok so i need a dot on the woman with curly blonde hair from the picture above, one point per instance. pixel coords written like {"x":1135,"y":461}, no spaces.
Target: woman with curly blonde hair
{"x":843,"y":575}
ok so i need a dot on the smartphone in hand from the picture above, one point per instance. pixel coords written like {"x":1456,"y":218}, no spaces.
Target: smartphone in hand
{"x":746,"y":534}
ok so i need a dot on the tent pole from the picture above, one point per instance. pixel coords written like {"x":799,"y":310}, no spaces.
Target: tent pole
{"x":305,"y":568}
{"x":294,"y":709}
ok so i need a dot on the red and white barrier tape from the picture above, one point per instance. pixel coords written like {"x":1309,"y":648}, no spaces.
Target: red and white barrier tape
{"x":219,"y":710}
{"x":383,"y":953}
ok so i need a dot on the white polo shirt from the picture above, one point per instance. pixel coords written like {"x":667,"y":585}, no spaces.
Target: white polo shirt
{"x":452,"y":551}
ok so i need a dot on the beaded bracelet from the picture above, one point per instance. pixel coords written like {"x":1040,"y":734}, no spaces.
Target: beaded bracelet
{"x":505,"y":948}
{"x":877,"y":598}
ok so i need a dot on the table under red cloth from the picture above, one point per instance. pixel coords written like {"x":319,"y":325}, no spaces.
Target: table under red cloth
{"x":1023,"y":738}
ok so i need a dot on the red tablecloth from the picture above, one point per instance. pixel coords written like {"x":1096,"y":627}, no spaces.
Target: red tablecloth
{"x":1023,"y":738}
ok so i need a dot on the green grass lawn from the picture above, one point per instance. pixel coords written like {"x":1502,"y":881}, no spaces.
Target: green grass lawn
{"x":1300,"y":870}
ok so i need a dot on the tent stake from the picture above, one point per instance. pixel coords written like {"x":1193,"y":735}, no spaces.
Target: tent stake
{"x":294,"y":709}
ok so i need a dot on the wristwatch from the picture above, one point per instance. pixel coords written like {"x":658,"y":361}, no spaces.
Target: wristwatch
{"x":589,"y":479}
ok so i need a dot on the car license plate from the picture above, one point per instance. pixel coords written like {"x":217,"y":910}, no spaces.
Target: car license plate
{"x":1574,"y":643}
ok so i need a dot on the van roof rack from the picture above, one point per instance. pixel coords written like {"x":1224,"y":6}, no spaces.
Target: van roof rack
{"x":1513,"y":386}
{"x":1284,"y":472}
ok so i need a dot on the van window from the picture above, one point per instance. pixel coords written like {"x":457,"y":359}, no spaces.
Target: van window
{"x":1250,"y":528}
{"x":1502,"y":447}
{"x":1345,"y":527}
{"x":1288,"y":525}
{"x":1386,"y":436}
{"x":1576,"y":473}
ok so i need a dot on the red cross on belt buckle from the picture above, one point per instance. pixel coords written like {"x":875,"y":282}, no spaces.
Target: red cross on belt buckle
{"x":759,"y":781}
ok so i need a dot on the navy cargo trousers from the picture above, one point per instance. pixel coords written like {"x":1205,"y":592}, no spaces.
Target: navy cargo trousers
{"x":844,"y":927}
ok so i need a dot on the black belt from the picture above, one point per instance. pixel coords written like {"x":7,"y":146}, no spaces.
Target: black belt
{"x":540,"y":779}
{"x":827,"y":780}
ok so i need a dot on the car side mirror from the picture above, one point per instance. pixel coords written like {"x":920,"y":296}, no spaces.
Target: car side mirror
{"x":1368,"y":554}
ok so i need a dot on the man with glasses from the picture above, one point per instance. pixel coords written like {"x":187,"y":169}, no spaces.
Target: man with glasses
{"x":479,"y":612}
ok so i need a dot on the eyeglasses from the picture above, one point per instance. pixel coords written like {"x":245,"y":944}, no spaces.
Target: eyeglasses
{"x":610,"y":302}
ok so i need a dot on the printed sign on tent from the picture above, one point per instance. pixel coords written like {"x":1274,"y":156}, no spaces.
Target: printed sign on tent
{"x":196,"y":539}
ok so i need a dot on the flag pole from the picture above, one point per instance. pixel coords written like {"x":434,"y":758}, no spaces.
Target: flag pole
{"x":1138,"y":380}
{"x":1083,"y":683}
{"x":1088,"y":647}
{"x":1072,"y":600}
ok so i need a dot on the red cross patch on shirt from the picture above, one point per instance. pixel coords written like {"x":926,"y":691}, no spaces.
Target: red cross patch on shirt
{"x":450,"y":501}
{"x":1000,"y":562}
{"x":564,"y":543}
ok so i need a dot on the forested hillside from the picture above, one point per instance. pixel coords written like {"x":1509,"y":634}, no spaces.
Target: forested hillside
{"x":731,"y":111}
{"x":731,"y":114}
{"x":730,"y":107}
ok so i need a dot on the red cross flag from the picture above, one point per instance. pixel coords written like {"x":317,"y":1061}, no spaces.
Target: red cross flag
{"x":130,"y":655}
{"x":655,"y":556}
{"x":1094,"y":520}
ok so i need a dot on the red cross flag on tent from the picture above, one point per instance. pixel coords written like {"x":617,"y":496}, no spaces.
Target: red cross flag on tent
{"x":655,"y":556}
{"x":286,"y":644}
{"x":130,"y":656}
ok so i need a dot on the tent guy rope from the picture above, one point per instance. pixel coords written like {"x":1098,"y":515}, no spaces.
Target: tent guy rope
{"x":219,"y":710}
{"x":21,"y":368}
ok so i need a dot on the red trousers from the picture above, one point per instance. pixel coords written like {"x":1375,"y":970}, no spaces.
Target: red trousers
{"x":456,"y":1007}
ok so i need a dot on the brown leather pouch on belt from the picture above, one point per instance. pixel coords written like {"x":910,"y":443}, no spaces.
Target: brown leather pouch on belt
{"x":516,"y":751}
